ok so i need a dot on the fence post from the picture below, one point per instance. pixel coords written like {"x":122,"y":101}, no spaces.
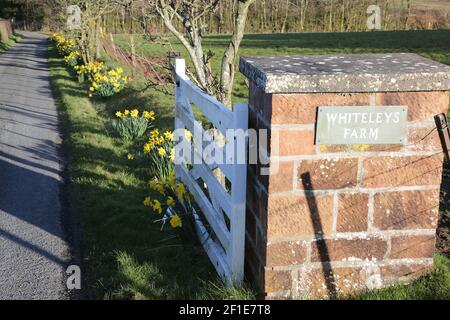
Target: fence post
{"x":180,"y":71}
{"x":238,"y":196}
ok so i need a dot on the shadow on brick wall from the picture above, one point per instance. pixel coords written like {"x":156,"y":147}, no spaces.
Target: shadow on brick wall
{"x":318,"y":231}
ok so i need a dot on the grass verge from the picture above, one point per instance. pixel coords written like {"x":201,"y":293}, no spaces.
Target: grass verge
{"x":10,"y":42}
{"x":435,"y":286}
{"x":126,"y":254}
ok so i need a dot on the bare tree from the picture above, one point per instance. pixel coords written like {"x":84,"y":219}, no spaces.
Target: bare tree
{"x":184,"y":19}
{"x":87,"y":33}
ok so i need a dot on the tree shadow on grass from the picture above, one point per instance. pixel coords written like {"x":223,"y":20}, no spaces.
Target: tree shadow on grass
{"x":374,"y":40}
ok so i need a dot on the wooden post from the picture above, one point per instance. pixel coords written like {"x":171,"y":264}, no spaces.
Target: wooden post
{"x":444,"y":133}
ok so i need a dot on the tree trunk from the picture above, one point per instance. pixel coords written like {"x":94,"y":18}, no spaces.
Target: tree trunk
{"x":283,"y":27}
{"x":230,"y":55}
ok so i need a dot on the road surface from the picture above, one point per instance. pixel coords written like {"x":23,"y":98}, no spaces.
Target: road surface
{"x":34,"y":253}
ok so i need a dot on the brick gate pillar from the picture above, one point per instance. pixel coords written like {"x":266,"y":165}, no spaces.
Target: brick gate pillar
{"x":336,"y":219}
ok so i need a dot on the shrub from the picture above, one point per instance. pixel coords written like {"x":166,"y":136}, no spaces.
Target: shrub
{"x":161,"y":151}
{"x":131,"y":125}
{"x":106,"y":84}
{"x":173,"y":203}
{"x":73,"y":58}
{"x":64,"y":46}
{"x":89,"y":70}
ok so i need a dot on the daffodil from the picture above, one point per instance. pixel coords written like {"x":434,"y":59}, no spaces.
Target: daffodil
{"x":162,"y":152}
{"x":170,"y":201}
{"x":154,"y":133}
{"x":157,"y":206}
{"x":149,"y":115}
{"x":160,"y":189}
{"x":130,"y":156}
{"x":171,"y":180}
{"x":152,"y":184}
{"x":148,"y":148}
{"x":175,"y":221}
{"x":119,"y":114}
{"x":147,"y":202}
{"x":180,"y":190}
{"x":168,"y":135}
{"x":134,"y":113}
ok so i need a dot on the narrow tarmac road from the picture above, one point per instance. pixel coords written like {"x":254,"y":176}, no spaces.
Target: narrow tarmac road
{"x":34,"y":253}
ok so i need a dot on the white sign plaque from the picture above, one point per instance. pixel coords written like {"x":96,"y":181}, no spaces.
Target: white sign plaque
{"x":361,"y":125}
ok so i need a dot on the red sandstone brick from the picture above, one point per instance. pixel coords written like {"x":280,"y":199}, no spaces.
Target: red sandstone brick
{"x":302,"y":108}
{"x":343,"y":249}
{"x":327,"y":174}
{"x":282,"y":179}
{"x":353,"y":212}
{"x":292,"y":142}
{"x":421,"y":105}
{"x":286,"y":253}
{"x":277,"y":281}
{"x":410,"y":247}
{"x":402,"y":171}
{"x":299,"y":216}
{"x":322,"y":283}
{"x":406,"y":210}
{"x":424,"y":139}
{"x":394,"y":274}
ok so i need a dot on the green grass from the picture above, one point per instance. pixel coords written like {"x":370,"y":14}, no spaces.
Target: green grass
{"x":434,"y":286}
{"x":127,"y":255}
{"x":10,"y":42}
{"x":432,"y":44}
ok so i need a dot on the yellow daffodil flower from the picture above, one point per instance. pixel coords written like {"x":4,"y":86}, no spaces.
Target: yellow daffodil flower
{"x":175,"y":221}
{"x":149,"y":115}
{"x":170,"y":201}
{"x":171,"y":180}
{"x":134,"y":113}
{"x":168,"y":135}
{"x":162,"y":152}
{"x":157,"y":206}
{"x":180,"y":190}
{"x":147,"y":202}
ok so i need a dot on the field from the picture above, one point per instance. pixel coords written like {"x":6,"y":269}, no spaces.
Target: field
{"x":126,"y":254}
{"x":431,"y":44}
{"x":432,"y":4}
